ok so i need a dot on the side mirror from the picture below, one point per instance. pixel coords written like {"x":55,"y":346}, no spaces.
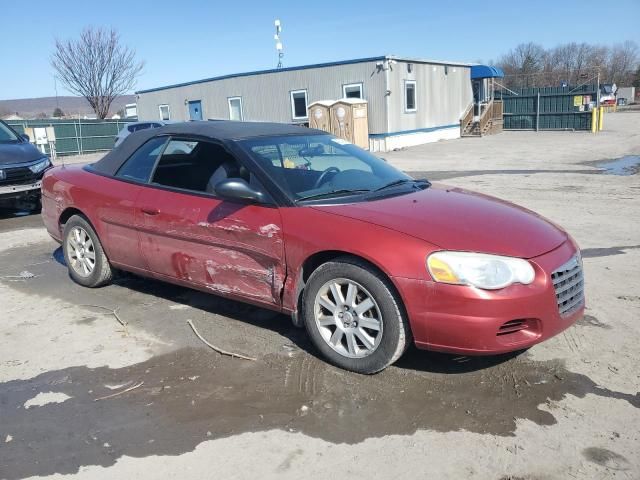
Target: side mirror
{"x":238,"y":189}
{"x":25,"y":137}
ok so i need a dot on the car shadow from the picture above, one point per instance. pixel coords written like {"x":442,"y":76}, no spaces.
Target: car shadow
{"x":414,"y":358}
{"x":210,"y":303}
{"x":6,"y":213}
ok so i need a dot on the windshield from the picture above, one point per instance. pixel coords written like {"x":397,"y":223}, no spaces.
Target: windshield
{"x":311,"y":167}
{"x":7,"y":135}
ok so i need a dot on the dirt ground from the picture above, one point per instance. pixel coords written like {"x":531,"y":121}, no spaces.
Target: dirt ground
{"x":568,"y":408}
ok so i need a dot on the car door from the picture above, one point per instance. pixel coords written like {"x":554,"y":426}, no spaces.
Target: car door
{"x":118,"y":199}
{"x":188,"y":234}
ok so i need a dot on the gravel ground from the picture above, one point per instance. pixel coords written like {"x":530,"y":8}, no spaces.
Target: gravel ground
{"x":568,"y":408}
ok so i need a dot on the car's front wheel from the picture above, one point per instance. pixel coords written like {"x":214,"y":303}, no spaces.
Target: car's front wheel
{"x":353,"y":316}
{"x":88,"y":265}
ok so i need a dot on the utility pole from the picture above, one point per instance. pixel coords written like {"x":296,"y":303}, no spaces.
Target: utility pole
{"x":55,"y":87}
{"x":279,"y":47}
{"x":598,"y":90}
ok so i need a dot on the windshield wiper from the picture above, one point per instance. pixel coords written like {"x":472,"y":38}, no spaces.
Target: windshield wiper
{"x":401,"y":182}
{"x":333,"y":193}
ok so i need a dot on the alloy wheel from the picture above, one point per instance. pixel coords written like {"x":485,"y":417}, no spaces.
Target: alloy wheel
{"x":81,"y":251}
{"x":348,"y":318}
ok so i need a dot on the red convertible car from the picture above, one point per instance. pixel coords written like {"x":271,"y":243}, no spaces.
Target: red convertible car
{"x":296,"y":220}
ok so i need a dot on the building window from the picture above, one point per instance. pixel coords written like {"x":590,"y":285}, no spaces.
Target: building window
{"x":299,"y":104}
{"x":353,"y":90}
{"x":410,"y":96}
{"x":235,"y":109}
{"x":165,"y":113}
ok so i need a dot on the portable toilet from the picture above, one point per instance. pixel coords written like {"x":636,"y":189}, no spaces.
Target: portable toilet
{"x":319,"y":115}
{"x":349,"y":120}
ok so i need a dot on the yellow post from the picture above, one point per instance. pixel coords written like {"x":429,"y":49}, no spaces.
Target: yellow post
{"x":594,"y":120}
{"x":601,"y":119}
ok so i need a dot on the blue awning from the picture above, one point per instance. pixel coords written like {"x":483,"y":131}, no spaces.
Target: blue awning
{"x":486,"y":71}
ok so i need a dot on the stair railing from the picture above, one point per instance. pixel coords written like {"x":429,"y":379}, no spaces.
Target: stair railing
{"x":486,"y":116}
{"x":467,"y":118}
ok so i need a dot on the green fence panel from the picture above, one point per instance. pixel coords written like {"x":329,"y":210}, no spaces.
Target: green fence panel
{"x":548,"y":108}
{"x":77,"y":136}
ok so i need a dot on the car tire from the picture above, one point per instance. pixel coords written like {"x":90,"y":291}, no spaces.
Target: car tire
{"x":349,"y":343}
{"x":83,"y":253}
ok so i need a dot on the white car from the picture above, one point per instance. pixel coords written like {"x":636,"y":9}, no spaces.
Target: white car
{"x":135,"y":126}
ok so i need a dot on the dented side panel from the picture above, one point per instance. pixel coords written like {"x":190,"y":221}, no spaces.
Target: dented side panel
{"x":226,"y":247}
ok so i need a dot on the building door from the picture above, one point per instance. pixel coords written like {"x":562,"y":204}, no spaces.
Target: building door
{"x":195,"y":110}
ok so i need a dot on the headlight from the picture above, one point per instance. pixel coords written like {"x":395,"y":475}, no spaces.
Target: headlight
{"x":489,"y":272}
{"x":40,"y":166}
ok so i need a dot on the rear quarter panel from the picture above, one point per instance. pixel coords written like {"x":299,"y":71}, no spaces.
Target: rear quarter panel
{"x":56,"y":198}
{"x":73,"y":187}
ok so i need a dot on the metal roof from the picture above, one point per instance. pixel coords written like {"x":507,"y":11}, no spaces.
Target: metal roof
{"x":306,"y":67}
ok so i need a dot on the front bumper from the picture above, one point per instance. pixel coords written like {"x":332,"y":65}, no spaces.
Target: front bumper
{"x":470,"y":321}
{"x":12,"y":191}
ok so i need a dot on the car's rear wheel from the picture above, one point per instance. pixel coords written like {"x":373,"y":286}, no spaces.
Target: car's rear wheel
{"x":353,"y":316}
{"x":87,"y":263}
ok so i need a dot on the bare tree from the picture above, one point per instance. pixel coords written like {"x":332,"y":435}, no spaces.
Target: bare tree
{"x":530,"y":65}
{"x":572,"y":63}
{"x":522,"y":63}
{"x":622,"y":62}
{"x":599,"y":57}
{"x":96,"y":66}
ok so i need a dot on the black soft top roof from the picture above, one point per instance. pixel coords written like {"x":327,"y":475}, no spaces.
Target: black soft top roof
{"x":221,"y":130}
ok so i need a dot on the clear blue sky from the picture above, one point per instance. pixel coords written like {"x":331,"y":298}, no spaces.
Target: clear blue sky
{"x":187,"y":40}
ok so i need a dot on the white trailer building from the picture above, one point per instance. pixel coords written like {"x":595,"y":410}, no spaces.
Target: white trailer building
{"x":410,"y":101}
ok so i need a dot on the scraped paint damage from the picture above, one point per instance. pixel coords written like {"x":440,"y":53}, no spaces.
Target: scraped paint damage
{"x":269,"y":230}
{"x":184,"y":266}
{"x":229,"y":225}
{"x":238,"y":278}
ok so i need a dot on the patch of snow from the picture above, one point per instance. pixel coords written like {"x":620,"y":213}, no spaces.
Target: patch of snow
{"x":46,"y":398}
{"x":117,"y":387}
{"x":179,"y":307}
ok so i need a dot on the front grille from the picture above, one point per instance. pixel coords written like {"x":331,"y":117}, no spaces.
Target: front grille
{"x":568,"y":282}
{"x":17,"y":176}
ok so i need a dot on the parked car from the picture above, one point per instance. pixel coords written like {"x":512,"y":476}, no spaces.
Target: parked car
{"x":298,"y":221}
{"x":21,"y":168}
{"x":136,"y":126}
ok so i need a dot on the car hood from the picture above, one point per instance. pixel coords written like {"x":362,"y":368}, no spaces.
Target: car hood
{"x":457,"y":219}
{"x":11,"y":153}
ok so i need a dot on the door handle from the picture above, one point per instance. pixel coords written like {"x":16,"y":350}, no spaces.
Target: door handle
{"x":150,"y":210}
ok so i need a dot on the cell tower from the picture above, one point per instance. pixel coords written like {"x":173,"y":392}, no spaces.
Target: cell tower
{"x":279,"y":47}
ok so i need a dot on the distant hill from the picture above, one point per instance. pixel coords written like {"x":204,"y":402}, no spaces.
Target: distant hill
{"x":71,"y":106}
